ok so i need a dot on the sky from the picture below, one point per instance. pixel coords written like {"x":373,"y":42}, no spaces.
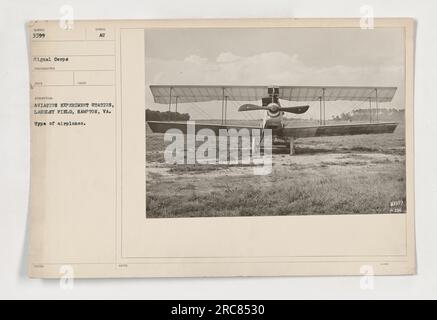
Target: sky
{"x":274,"y":56}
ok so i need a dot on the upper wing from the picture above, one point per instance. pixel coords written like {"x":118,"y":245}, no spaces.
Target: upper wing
{"x":162,"y":126}
{"x":191,"y":93}
{"x":339,"y":130}
{"x":186,"y":94}
{"x":383,"y":94}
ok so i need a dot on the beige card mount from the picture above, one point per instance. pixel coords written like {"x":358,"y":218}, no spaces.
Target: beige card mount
{"x":192,"y":148}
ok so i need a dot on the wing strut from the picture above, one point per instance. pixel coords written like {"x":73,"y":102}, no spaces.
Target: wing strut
{"x":169,"y":103}
{"x":223,"y":103}
{"x":226,"y":109}
{"x":320,"y":111}
{"x":370,"y":109}
{"x":322,"y":114}
{"x":376,"y":103}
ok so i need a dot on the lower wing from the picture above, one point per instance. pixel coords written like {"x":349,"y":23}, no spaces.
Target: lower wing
{"x":296,"y":132}
{"x":339,"y":130}
{"x":162,"y":126}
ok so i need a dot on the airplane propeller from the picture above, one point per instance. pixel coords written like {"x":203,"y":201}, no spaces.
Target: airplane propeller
{"x":273,"y":107}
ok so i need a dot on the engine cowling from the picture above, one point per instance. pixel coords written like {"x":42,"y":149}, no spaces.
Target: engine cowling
{"x":273,"y":110}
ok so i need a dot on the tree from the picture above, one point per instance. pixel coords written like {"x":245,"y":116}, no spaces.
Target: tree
{"x":390,"y":114}
{"x":152,"y":115}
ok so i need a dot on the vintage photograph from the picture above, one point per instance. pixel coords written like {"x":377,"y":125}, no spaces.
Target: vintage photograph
{"x":274,"y":122}
{"x":219,"y":148}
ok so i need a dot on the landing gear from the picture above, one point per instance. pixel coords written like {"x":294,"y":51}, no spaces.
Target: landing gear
{"x":292,"y":150}
{"x":282,"y":145}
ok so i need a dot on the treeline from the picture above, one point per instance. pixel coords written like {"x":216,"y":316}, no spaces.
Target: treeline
{"x":391,"y":114}
{"x":152,"y":115}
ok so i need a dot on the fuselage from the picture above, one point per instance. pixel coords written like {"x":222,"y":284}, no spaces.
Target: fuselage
{"x":273,"y":119}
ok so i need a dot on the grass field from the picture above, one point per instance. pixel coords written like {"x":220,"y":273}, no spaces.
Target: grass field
{"x":329,"y":175}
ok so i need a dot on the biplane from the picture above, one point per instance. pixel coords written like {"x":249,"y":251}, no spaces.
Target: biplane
{"x":270,"y":100}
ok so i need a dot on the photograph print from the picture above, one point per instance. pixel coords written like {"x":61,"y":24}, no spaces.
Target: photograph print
{"x":247,"y":122}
